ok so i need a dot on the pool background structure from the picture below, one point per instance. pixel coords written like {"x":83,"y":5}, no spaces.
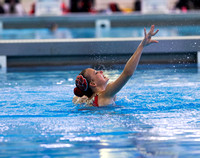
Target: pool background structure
{"x":85,"y":25}
{"x":179,"y":45}
{"x":156,"y":115}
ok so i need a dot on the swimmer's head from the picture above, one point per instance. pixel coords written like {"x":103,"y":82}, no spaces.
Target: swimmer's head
{"x":92,"y":79}
{"x":82,"y":85}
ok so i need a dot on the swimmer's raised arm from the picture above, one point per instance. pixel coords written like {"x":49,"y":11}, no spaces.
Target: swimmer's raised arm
{"x":130,"y":66}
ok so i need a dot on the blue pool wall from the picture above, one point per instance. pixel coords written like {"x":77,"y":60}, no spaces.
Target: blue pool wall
{"x":97,"y":51}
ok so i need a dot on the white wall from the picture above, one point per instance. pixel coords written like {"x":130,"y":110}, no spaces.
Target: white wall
{"x":103,"y":4}
{"x":27,"y":4}
{"x":100,"y":4}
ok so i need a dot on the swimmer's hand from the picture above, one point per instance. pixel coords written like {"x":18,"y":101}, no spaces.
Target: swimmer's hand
{"x":147,"y":37}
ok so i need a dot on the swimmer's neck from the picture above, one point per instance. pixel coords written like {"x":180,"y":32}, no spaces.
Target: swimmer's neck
{"x":98,"y":90}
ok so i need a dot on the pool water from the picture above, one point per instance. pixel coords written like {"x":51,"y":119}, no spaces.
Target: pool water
{"x":157,"y":115}
{"x":73,"y":33}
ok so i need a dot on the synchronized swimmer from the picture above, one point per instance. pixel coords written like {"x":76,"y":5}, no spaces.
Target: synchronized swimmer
{"x":92,"y":87}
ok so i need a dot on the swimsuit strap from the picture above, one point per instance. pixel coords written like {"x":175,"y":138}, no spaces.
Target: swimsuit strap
{"x":95,"y":102}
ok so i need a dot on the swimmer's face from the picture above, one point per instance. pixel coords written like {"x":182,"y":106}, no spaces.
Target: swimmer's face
{"x":97,"y":77}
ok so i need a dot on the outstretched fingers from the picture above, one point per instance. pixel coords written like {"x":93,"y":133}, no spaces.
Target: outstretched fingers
{"x":155,"y":32}
{"x":152,"y":33}
{"x":152,"y":29}
{"x":154,"y":41}
{"x":145,"y":32}
{"x":147,"y":36}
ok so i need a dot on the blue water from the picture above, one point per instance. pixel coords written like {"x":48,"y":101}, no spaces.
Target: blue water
{"x":71,"y":33}
{"x":157,"y":115}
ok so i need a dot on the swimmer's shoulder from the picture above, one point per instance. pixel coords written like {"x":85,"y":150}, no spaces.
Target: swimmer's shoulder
{"x":80,"y":100}
{"x":84,"y":100}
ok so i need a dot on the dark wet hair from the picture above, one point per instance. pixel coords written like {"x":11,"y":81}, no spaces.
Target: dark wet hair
{"x":78,"y":92}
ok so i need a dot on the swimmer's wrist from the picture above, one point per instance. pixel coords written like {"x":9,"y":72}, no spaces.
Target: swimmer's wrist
{"x":142,"y":44}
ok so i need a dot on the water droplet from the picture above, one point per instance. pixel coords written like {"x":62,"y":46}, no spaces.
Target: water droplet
{"x":60,"y":82}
